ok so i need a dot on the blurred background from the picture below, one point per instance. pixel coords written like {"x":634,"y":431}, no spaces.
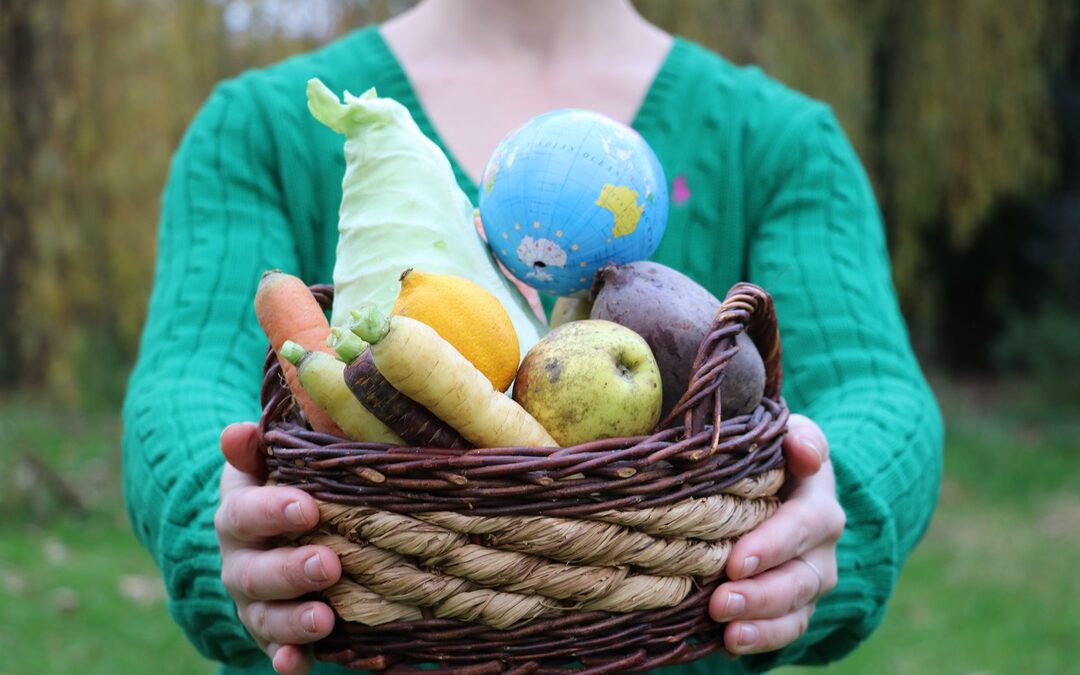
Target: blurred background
{"x":965,"y":112}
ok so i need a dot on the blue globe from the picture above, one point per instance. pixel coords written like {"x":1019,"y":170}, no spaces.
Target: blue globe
{"x":569,"y":192}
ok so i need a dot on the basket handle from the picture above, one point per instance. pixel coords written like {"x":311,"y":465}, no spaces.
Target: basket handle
{"x":746,"y":307}
{"x":324,"y":294}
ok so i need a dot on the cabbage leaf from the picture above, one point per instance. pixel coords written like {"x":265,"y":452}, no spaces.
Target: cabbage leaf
{"x":401,"y":207}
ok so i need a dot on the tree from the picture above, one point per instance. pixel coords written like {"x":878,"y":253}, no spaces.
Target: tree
{"x":29,"y":41}
{"x":949,"y":103}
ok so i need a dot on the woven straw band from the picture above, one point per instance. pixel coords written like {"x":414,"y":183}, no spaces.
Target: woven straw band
{"x":604,"y":642}
{"x":519,"y":572}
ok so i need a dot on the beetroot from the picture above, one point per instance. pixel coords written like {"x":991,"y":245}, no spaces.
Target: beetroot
{"x":744,"y":380}
{"x":673,"y":313}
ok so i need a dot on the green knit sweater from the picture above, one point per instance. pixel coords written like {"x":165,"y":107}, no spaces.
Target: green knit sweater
{"x":764,"y":187}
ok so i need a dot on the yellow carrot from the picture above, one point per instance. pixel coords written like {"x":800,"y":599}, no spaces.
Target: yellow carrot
{"x":426,"y":368}
{"x":417,"y":425}
{"x":322,"y":377}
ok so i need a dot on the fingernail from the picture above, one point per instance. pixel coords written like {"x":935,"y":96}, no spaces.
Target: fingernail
{"x":314,"y":570}
{"x":294,"y":514}
{"x":810,"y":442}
{"x":747,"y":634}
{"x":734,"y":605}
{"x":309,"y":621}
{"x":749,"y":565}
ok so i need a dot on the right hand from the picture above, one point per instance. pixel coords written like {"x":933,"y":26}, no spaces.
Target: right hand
{"x":266,"y":582}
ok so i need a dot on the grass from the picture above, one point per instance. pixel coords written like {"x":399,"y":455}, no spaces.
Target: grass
{"x":78,"y":593}
{"x":991,"y":589}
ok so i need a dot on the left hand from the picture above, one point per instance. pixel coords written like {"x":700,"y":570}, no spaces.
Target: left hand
{"x":267,"y":581}
{"x":773,"y":586}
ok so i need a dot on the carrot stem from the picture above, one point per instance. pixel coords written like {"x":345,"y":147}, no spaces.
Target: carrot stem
{"x":346,"y":343}
{"x":292,"y":352}
{"x":370,"y":324}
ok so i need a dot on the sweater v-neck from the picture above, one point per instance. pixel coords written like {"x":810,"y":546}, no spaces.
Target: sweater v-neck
{"x":396,"y":84}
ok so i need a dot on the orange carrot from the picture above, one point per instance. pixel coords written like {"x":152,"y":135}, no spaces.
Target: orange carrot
{"x":288,"y":311}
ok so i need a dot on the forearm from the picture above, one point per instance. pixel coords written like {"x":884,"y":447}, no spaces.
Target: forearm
{"x":201,"y":356}
{"x":171,"y":471}
{"x":848,"y":365}
{"x":885,"y":446}
{"x":198,"y":370}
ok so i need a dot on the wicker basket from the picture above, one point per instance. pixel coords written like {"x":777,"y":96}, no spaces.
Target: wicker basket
{"x":597,"y":558}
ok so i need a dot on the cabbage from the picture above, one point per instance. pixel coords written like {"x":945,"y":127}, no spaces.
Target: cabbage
{"x":401,"y":207}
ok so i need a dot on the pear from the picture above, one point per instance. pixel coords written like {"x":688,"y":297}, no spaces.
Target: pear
{"x":587,"y":380}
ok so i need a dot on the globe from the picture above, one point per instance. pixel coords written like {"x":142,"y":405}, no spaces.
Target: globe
{"x":569,"y":192}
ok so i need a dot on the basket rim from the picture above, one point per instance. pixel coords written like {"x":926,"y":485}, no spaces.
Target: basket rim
{"x":697,"y":453}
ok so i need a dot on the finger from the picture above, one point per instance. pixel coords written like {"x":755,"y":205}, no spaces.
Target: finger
{"x":288,"y":623}
{"x":805,"y":446}
{"x":253,"y":513}
{"x":754,"y":637}
{"x":240,"y":445}
{"x":280,"y":573}
{"x":233,"y":479}
{"x":810,"y":518}
{"x":292,"y":660}
{"x":775,"y":593}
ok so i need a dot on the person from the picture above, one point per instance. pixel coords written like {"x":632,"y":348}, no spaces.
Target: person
{"x":764,"y":187}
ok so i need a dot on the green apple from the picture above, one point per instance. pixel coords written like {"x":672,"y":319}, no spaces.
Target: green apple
{"x":590,"y":379}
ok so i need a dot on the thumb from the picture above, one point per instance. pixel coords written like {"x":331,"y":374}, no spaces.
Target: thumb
{"x":240,"y":445}
{"x":805,"y":446}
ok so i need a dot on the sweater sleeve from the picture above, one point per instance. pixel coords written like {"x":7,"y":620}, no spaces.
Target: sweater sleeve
{"x":818,"y":246}
{"x":200,"y":361}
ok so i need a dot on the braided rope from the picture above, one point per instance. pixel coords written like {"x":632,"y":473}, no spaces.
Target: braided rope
{"x":516,"y":581}
{"x":354,"y":602}
{"x":710,"y":519}
{"x":523,"y":573}
{"x":767,"y":483}
{"x":400,"y":582}
{"x":581,"y":542}
{"x":591,"y":543}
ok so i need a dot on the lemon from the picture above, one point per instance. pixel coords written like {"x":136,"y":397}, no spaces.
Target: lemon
{"x":466,"y":315}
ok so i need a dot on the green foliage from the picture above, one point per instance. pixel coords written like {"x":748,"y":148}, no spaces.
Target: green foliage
{"x":88,"y":124}
{"x":947,"y":101}
{"x":1046,"y":346}
{"x":109,"y":114}
{"x":970,"y":122}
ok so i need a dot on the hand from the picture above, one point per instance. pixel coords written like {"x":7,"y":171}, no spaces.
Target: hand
{"x":774,"y":586}
{"x":265,"y":582}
